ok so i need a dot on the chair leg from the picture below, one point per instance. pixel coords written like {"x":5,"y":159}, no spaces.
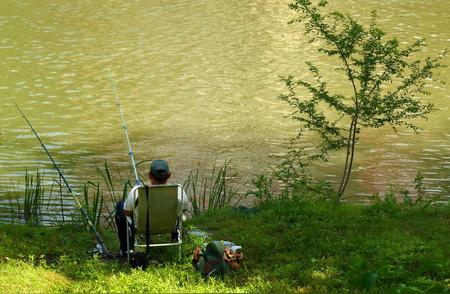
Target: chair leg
{"x":180,"y":236}
{"x":128,"y":243}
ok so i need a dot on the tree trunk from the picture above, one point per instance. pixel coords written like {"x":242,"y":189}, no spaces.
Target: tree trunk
{"x":349,"y":157}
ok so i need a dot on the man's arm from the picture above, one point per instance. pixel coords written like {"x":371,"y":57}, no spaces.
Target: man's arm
{"x":129,"y":205}
{"x":186,"y":206}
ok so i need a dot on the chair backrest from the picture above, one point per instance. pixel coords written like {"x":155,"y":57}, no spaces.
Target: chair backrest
{"x":162,"y":208}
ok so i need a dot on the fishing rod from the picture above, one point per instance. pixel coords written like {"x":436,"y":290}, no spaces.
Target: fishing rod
{"x":124,"y":126}
{"x":100,"y":244}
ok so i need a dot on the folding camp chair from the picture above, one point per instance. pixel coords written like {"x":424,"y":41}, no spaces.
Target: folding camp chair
{"x":158,"y":213}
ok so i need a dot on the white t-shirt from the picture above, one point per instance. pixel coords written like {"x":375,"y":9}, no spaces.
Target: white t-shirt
{"x":183,"y":200}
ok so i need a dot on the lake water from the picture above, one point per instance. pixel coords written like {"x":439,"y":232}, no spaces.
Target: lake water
{"x":198,"y":82}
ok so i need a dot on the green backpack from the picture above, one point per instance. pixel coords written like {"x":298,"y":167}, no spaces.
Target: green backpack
{"x":210,"y":261}
{"x":216,"y":258}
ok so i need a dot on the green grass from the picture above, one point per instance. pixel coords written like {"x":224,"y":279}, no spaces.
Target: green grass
{"x":17,"y":276}
{"x":289,"y":245}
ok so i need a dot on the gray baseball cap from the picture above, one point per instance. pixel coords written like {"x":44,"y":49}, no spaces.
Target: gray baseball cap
{"x":160,"y":169}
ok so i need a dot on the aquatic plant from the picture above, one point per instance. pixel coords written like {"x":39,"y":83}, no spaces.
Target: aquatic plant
{"x":212,"y":192}
{"x":106,"y":175}
{"x":93,"y":202}
{"x":30,"y":206}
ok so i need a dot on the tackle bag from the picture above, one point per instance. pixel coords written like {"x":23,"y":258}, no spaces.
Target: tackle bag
{"x":217,"y":258}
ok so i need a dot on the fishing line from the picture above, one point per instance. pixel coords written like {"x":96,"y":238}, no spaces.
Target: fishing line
{"x":101,"y":244}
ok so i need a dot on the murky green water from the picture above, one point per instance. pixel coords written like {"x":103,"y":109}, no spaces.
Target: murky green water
{"x":198,"y":82}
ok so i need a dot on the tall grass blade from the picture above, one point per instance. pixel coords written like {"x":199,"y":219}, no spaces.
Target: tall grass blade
{"x":212,"y":192}
{"x":61,"y":197}
{"x":125,"y":189}
{"x":31,"y":208}
{"x":108,"y":181}
{"x":94,"y":209}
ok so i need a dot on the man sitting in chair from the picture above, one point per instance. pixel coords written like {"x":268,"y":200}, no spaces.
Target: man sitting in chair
{"x":158,"y":175}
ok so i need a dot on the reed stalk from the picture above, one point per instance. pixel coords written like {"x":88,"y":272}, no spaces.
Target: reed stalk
{"x":61,"y":198}
{"x":212,"y":192}
{"x":13,"y":203}
{"x":93,"y":204}
{"x":31,"y":210}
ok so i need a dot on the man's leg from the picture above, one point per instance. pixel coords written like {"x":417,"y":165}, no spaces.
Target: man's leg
{"x":121,"y":223}
{"x":175,"y":235}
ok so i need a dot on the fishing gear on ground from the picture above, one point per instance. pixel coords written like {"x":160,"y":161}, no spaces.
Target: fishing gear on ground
{"x":217,"y":258}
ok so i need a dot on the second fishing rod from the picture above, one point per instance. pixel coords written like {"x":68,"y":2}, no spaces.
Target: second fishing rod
{"x":101,"y":244}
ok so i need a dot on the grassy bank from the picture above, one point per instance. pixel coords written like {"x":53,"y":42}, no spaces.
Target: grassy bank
{"x":289,"y":245}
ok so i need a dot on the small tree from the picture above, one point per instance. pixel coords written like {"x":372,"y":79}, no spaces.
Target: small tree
{"x":384,"y":81}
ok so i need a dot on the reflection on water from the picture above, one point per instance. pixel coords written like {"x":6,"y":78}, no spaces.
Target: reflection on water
{"x":198,"y":82}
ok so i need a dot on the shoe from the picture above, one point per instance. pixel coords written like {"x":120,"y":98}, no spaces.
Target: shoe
{"x":174,"y":237}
